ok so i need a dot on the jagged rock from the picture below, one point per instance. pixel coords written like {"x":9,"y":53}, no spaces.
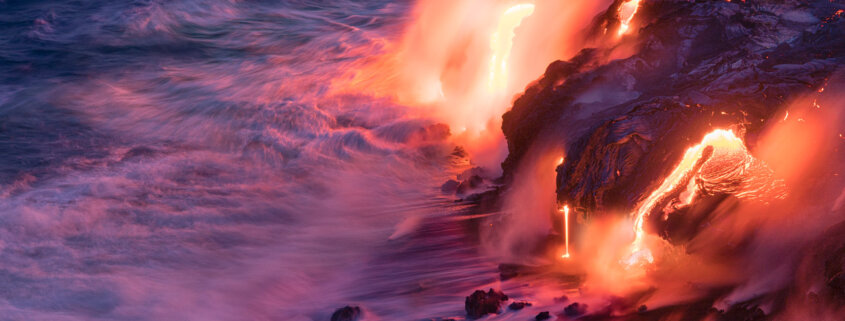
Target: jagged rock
{"x":347,"y":313}
{"x":575,"y":309}
{"x":469,"y":184}
{"x":450,"y":187}
{"x":481,"y":303}
{"x":543,"y":316}
{"x":519,"y":305}
{"x":699,"y":65}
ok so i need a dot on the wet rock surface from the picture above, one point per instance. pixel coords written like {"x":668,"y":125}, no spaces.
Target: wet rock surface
{"x":347,"y":313}
{"x":519,"y":305}
{"x":698,"y":66}
{"x":575,"y":309}
{"x":481,"y":303}
{"x":543,"y":316}
{"x":625,"y":120}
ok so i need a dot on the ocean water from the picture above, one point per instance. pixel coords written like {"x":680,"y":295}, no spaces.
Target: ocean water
{"x":188,"y":160}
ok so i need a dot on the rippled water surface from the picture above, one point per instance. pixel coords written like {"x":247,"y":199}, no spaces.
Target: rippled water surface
{"x":185,"y":160}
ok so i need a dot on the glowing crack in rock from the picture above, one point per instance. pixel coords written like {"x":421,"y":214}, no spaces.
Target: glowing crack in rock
{"x":501,"y":43}
{"x":720,"y":164}
{"x":565,"y":211}
{"x":627,"y":11}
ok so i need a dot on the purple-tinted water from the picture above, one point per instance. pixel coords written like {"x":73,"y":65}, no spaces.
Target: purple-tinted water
{"x":183,"y":160}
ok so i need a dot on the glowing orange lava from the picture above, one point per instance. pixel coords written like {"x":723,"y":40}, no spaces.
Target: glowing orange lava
{"x":501,"y":44}
{"x":719,"y":164}
{"x":627,"y":11}
{"x":565,"y":211}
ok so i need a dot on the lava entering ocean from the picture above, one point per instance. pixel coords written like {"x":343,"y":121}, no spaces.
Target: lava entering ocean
{"x":343,"y":160}
{"x":720,"y":164}
{"x":627,"y":11}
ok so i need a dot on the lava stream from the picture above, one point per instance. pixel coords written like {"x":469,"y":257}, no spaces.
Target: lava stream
{"x":501,"y":43}
{"x":719,"y":164}
{"x":627,"y":11}
{"x":565,"y":211}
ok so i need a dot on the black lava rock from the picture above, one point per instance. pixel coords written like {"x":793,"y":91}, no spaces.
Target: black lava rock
{"x":481,"y":303}
{"x":575,"y":309}
{"x":519,"y":305}
{"x":678,"y":88}
{"x":450,"y":187}
{"x":347,"y":313}
{"x":543,"y":316}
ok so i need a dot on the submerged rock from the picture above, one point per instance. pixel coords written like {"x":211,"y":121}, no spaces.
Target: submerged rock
{"x":519,"y":305}
{"x":450,"y":187}
{"x":481,"y":303}
{"x":543,"y":316}
{"x":347,"y":313}
{"x":575,"y":309}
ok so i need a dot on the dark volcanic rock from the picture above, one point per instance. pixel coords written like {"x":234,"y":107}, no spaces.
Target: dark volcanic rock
{"x":467,"y":182}
{"x":519,"y":305}
{"x":823,"y":271}
{"x":699,"y":66}
{"x":543,"y":316}
{"x":575,"y":309}
{"x":481,"y":303}
{"x":561,"y":299}
{"x":347,"y":313}
{"x":450,"y":187}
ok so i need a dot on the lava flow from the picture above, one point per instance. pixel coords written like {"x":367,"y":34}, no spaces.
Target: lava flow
{"x":565,"y":211}
{"x":720,"y":164}
{"x":501,"y":43}
{"x":627,"y":11}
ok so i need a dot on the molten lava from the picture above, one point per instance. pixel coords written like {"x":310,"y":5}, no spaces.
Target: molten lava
{"x":720,"y":164}
{"x":501,"y":43}
{"x":627,"y":11}
{"x":565,"y":211}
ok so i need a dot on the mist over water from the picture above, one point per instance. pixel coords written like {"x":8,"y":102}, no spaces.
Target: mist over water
{"x":277,"y":160}
{"x":185,"y":160}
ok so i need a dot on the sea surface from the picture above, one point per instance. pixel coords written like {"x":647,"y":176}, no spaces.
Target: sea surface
{"x":189,"y":160}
